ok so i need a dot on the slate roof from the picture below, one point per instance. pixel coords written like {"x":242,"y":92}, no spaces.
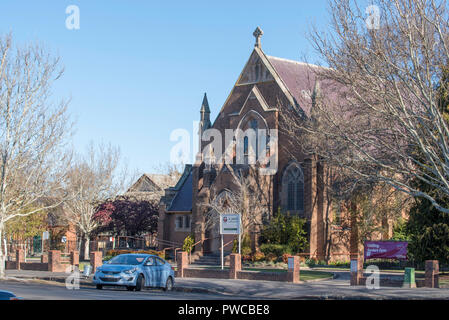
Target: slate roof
{"x":162,"y":180}
{"x":182,"y":202}
{"x":299,"y":77}
{"x":151,"y":186}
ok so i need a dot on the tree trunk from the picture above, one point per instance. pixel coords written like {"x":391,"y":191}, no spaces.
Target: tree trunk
{"x":6,"y":246}
{"x":2,"y":254}
{"x":79,"y":243}
{"x":86,"y":248}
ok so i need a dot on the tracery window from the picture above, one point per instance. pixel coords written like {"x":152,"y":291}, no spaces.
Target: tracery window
{"x":293,"y":188}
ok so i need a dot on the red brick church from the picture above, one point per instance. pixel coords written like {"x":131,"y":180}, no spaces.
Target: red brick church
{"x":266,"y":86}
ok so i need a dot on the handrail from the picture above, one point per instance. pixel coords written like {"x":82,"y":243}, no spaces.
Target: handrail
{"x":227,"y":244}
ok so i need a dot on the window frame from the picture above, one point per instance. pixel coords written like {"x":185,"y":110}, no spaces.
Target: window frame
{"x":183,"y":222}
{"x":293,"y":188}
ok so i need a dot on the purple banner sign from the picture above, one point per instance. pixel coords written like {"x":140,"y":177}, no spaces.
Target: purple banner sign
{"x":386,"y":250}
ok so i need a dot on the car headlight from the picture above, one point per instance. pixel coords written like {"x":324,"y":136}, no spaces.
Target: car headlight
{"x":130,"y":271}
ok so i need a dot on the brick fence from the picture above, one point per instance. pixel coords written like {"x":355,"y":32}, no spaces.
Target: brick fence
{"x":431,"y":279}
{"x":235,"y":271}
{"x":54,"y":261}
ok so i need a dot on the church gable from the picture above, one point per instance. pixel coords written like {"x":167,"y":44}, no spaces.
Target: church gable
{"x":255,"y":71}
{"x":259,"y":72}
{"x":254,"y":100}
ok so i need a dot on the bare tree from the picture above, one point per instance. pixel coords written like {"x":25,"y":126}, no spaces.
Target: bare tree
{"x":376,"y":114}
{"x":172,"y":170}
{"x":249,"y":197}
{"x":93,"y":179}
{"x":33,"y":133}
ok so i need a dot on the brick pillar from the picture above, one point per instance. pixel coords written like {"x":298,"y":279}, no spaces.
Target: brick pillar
{"x":356,"y":270}
{"x":182,"y":260}
{"x":54,"y":260}
{"x":96,"y":260}
{"x":44,"y":258}
{"x":293,"y":269}
{"x":432,"y":274}
{"x":20,"y":258}
{"x":75,"y":258}
{"x":235,"y":265}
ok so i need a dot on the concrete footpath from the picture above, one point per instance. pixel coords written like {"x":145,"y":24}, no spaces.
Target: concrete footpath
{"x":337,"y":288}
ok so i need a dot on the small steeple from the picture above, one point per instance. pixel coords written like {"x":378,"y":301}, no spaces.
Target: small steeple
{"x":204,"y":121}
{"x":205,"y":105}
{"x":205,"y":114}
{"x":257,"y":34}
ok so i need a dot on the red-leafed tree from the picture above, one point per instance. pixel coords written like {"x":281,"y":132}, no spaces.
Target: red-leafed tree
{"x":127,"y":215}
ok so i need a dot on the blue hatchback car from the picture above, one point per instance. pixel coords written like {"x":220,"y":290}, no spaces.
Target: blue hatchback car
{"x":135,"y":271}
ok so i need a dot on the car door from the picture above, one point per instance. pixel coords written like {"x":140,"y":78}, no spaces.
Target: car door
{"x":150,"y":272}
{"x":160,"y":272}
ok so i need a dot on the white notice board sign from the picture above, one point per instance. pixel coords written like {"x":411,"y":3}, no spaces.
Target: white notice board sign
{"x":230,"y":223}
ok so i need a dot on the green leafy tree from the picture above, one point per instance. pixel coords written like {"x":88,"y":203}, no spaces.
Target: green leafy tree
{"x":25,"y":227}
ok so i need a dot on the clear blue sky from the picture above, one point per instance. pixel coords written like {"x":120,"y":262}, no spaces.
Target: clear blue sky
{"x":136,"y":70}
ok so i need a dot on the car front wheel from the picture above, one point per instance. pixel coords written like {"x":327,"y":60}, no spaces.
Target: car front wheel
{"x":169,"y":284}
{"x":99,"y":286}
{"x":140,"y":283}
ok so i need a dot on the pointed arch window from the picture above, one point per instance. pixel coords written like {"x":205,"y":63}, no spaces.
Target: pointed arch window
{"x":293,"y":188}
{"x":253,"y":139}
{"x":245,"y":149}
{"x":255,"y":126}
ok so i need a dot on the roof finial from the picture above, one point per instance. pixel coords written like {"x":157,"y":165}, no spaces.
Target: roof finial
{"x":257,"y":34}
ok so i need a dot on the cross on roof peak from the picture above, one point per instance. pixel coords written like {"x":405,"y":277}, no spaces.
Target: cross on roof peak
{"x":258,"y":34}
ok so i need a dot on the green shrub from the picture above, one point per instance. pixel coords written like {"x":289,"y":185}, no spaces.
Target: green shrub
{"x":258,"y":256}
{"x":339,"y":263}
{"x":271,"y":257}
{"x":246,"y":245}
{"x":313,"y":262}
{"x":287,"y":230}
{"x":187,"y":246}
{"x":275,"y":249}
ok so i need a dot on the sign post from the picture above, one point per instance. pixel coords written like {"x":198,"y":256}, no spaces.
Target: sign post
{"x":240,"y":237}
{"x":229,"y":224}
{"x":45,"y":236}
{"x":222,"y":254}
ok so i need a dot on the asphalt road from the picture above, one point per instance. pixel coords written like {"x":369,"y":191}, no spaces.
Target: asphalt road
{"x":41,"y":291}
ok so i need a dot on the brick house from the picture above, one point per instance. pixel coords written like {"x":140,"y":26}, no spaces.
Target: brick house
{"x":149,"y":187}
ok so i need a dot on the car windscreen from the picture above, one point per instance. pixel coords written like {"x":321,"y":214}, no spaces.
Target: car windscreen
{"x":127,"y":259}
